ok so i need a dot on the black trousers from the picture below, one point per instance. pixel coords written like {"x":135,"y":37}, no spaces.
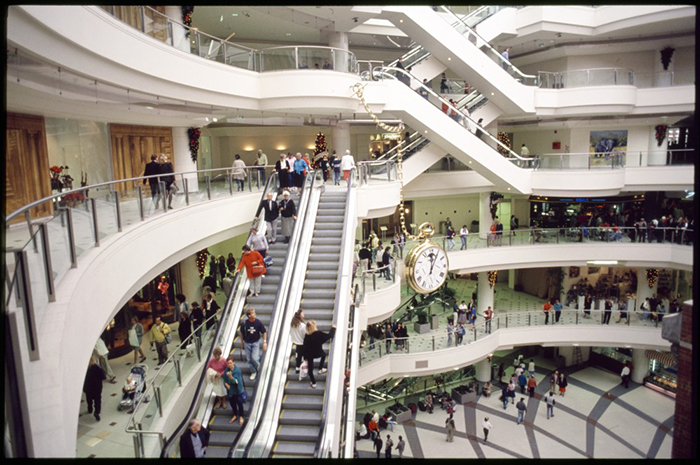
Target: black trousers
{"x":299,"y":356}
{"x":94,"y":402}
{"x":311,"y":367}
{"x":236,"y":405}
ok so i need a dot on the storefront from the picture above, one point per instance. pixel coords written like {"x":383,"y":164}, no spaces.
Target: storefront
{"x":556,"y":212}
{"x":662,"y":375}
{"x":379,"y":144}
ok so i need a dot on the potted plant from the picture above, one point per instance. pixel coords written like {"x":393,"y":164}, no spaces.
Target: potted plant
{"x":400,"y":412}
{"x":421,"y":326}
{"x":462,"y":394}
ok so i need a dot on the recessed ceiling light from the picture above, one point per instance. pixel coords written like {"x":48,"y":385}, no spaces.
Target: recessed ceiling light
{"x":215,"y":119}
{"x":206,"y":118}
{"x":234,"y":14}
{"x":289,"y":33}
{"x":149,"y":108}
{"x":491,"y":93}
{"x":401,"y":20}
{"x":449,"y":59}
{"x":221,"y":19}
{"x":426,"y":132}
{"x":509,"y":188}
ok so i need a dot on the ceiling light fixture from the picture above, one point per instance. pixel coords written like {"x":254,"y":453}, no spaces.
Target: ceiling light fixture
{"x":289,"y":33}
{"x":603,"y":262}
{"x":221,"y":19}
{"x":234,"y":14}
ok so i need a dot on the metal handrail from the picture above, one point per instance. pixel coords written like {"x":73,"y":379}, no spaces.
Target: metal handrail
{"x":336,"y":352}
{"x":278,"y":349}
{"x":384,"y":72}
{"x":557,"y":75}
{"x":488,"y":46}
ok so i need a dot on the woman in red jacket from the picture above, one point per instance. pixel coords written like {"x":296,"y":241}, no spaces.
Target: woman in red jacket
{"x":254,"y":267}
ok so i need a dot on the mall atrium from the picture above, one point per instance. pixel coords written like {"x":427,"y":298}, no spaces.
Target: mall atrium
{"x":465,"y":202}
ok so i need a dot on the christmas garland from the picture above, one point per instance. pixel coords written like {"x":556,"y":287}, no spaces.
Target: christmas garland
{"x":652,"y":276}
{"x":194,"y":134}
{"x":660,"y":133}
{"x":493,"y":275}
{"x":187,"y":11}
{"x":494,"y":199}
{"x":202,"y":261}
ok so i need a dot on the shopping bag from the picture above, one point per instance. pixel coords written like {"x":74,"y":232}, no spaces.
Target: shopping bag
{"x":304,"y":371}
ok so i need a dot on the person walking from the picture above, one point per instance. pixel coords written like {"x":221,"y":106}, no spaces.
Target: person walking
{"x":184,"y":329}
{"x":524,"y":151}
{"x":252,"y":330}
{"x":261,"y":162}
{"x":450,"y":425}
{"x":239,"y":173}
{"x":388,"y":445}
{"x":553,"y":380}
{"x":450,"y":332}
{"x":531,"y":385}
{"x":298,"y":333}
{"x":255,"y":268}
{"x":450,"y":234}
{"x":487,"y":426}
{"x":506,"y":56}
{"x":378,"y":443}
{"x":152,"y":169}
{"x":166,"y":168}
{"x":622,"y":307}
{"x":301,"y":167}
{"x":197,"y":319}
{"x":272,"y":213}
{"x":563,"y":383}
{"x":488,"y":315}
{"x":625,"y":375}
{"x":313,"y":348}
{"x":233,"y":382}
{"x":400,"y":446}
{"x":386,"y":263}
{"x":546,"y":308}
{"x":92,"y":387}
{"x":551,"y":402}
{"x":608,"y":312}
{"x":522,"y":409}
{"x":531,"y":367}
{"x":347,"y":163}
{"x":335,"y":165}
{"x":522,"y":382}
{"x":159,"y":336}
{"x":282,"y":170}
{"x":288,"y":210}
{"x":557,"y":310}
{"x":163,"y":288}
{"x":135,"y":339}
{"x":463,"y":233}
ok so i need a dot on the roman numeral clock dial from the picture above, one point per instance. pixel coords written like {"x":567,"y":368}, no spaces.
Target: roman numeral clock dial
{"x":426,"y":266}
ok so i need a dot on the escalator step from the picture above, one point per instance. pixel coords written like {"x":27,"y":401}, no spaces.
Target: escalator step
{"x":300,"y":433}
{"x":300,"y":417}
{"x":294,"y":387}
{"x":215,"y":452}
{"x":294,"y":448}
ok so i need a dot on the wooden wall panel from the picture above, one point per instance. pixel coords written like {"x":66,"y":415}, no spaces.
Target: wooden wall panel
{"x":132,"y":147}
{"x":27,"y":176}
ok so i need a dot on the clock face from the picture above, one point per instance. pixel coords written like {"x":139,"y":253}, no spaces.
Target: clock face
{"x":429,"y":269}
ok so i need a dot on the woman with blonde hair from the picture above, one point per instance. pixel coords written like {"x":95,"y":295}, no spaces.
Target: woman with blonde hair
{"x":298,"y":334}
{"x":313,"y":348}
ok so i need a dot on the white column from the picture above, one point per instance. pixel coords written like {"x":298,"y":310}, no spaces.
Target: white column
{"x":485,"y":219}
{"x":341,"y":140}
{"x":339,"y":40}
{"x":191,"y":282}
{"x":657,"y":154}
{"x":641,"y":365}
{"x":180,"y":41}
{"x":483,"y":371}
{"x":511,"y":279}
{"x":643,"y":289}
{"x":182,"y":159}
{"x":568,"y":353}
{"x":485,"y":292}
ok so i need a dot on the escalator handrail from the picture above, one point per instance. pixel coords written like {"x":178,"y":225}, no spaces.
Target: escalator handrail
{"x":383,"y":71}
{"x":334,"y":361}
{"x":238,"y":280}
{"x":490,"y":47}
{"x":281,"y":301}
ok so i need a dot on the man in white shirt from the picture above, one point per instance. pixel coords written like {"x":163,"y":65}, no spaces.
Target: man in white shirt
{"x":551,"y":402}
{"x":347,"y":163}
{"x":487,"y":427}
{"x":524,"y":151}
{"x":625,"y":376}
{"x":463,"y":233}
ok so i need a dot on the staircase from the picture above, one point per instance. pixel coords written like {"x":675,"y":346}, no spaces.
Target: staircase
{"x":223,"y":434}
{"x":302,"y":406}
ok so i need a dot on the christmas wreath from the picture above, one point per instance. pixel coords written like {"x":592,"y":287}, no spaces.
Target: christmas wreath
{"x":194,"y":134}
{"x":660,"y":133}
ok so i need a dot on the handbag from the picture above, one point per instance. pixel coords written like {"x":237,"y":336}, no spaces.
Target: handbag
{"x":133,"y":338}
{"x":304,"y":370}
{"x":243,"y":396}
{"x":168,"y":338}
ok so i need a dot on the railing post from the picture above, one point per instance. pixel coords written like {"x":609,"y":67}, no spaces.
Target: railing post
{"x":374,"y":281}
{"x":229,"y":182}
{"x":257,"y":172}
{"x":510,"y":237}
{"x":178,"y":372}
{"x":557,"y":236}
{"x":296,"y":57}
{"x":498,"y":322}
{"x":529,"y":321}
{"x":137,"y":448}
{"x":48,"y":268}
{"x":171,"y":36}
{"x":185,"y":185}
{"x":71,"y":239}
{"x":196,"y":40}
{"x":250,"y":183}
{"x":95,"y":226}
{"x":24,"y":286}
{"x":164,"y":196}
{"x":577,"y":313}
{"x":119,"y":210}
{"x":333,"y":58}
{"x":139,"y":193}
{"x":28,"y":217}
{"x":379,"y":345}
{"x":198,"y":345}
{"x":207,"y":179}
{"x":159,"y":400}
{"x":142,"y":13}
{"x":433,"y":342}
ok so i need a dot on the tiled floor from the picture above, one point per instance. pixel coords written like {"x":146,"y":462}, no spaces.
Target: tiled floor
{"x":622,"y":431}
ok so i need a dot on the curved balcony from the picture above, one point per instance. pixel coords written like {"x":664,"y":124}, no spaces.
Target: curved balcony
{"x":434,"y":353}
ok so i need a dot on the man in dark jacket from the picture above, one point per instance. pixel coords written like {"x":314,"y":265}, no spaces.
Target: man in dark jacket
{"x":153,"y":168}
{"x":272,"y":213}
{"x":194,"y":442}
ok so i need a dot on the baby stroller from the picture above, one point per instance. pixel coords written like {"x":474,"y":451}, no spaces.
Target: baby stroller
{"x":129,"y":399}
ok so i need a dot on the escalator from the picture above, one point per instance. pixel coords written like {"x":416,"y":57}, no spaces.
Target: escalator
{"x":300,"y":418}
{"x":267,"y":305}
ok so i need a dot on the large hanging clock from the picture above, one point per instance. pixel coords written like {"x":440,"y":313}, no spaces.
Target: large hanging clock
{"x":426,"y":264}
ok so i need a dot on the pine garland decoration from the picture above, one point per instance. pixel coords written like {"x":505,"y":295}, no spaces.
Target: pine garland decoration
{"x":493,"y":276}
{"x":652,"y":277}
{"x":194,"y":134}
{"x":202,"y":261}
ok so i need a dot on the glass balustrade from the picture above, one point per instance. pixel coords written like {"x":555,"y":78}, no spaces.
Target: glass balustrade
{"x":440,"y":339}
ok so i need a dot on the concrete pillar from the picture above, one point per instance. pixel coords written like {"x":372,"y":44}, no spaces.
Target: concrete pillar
{"x":657,"y":153}
{"x":643,"y":289}
{"x":342,"y":62}
{"x":341,"y":140}
{"x":182,"y":160}
{"x":180,"y":40}
{"x":568,"y":353}
{"x":338,"y":40}
{"x":485,"y":219}
{"x":483,"y":371}
{"x":485,"y":292}
{"x":641,"y":365}
{"x":191,"y":282}
{"x":511,"y":279}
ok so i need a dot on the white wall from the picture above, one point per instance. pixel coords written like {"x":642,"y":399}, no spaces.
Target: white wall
{"x":462,"y":209}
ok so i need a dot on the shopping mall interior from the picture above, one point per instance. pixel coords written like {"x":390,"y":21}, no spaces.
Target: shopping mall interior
{"x":477,"y":209}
